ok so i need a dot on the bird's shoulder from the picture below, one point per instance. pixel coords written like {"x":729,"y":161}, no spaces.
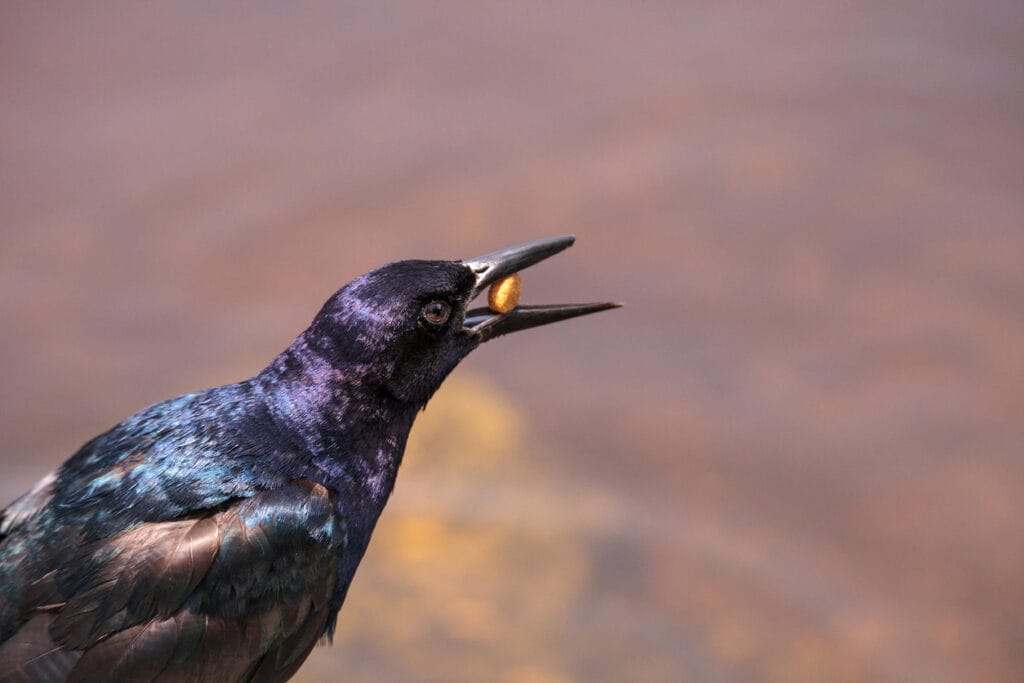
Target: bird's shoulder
{"x":191,"y":452}
{"x":172,"y":459}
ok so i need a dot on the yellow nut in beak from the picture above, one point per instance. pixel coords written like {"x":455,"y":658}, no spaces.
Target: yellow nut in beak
{"x":504,"y":293}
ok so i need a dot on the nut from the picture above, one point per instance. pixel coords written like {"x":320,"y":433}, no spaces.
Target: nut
{"x":504,"y":293}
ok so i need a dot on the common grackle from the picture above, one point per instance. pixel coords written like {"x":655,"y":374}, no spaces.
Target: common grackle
{"x":214,"y":536}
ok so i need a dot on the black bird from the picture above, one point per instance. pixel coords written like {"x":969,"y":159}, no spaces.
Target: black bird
{"x":214,"y":536}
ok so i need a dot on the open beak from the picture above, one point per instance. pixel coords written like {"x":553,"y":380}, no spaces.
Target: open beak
{"x":492,"y":267}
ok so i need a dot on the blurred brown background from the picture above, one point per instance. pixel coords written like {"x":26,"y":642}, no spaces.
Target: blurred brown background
{"x":795,"y":456}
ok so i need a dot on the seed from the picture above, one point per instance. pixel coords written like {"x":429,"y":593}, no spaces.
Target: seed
{"x":504,"y":293}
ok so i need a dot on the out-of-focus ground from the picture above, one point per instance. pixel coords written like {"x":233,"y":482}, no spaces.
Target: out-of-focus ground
{"x":796,"y":455}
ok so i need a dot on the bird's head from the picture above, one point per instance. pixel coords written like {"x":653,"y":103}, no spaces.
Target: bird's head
{"x":406,"y":325}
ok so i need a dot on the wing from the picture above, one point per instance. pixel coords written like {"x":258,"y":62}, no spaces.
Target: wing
{"x":242,"y":592}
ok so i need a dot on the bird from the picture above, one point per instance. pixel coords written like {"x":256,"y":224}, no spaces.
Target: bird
{"x":214,"y":536}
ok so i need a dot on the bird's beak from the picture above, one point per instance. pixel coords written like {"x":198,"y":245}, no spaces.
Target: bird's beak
{"x":492,"y":267}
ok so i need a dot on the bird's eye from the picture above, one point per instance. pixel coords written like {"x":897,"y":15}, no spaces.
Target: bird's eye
{"x":436,"y":312}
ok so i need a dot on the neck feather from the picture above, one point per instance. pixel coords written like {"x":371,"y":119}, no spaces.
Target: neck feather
{"x":352,"y":431}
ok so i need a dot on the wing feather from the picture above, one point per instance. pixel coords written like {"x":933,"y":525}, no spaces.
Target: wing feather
{"x":32,"y":656}
{"x":242,"y":591}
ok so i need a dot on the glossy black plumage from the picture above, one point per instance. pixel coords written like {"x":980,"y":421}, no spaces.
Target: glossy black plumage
{"x":214,"y":536}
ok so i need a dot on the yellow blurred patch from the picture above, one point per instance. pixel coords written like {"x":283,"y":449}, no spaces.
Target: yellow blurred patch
{"x":469,"y":426}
